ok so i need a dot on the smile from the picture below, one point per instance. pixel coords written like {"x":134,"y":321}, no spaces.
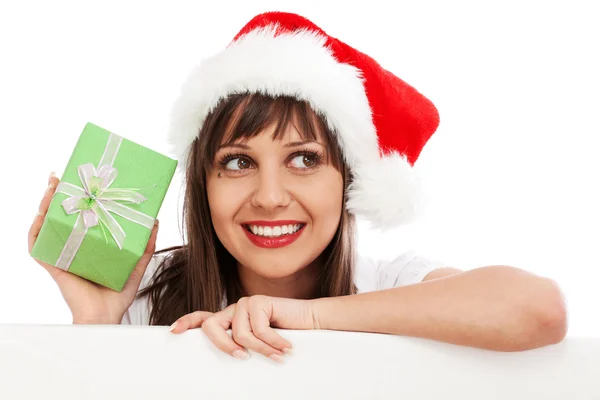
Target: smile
{"x":274,"y":231}
{"x":273,"y":234}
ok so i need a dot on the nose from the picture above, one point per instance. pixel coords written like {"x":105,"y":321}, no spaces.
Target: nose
{"x":270,"y":192}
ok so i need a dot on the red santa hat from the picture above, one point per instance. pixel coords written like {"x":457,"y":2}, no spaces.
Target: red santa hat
{"x":381,"y":122}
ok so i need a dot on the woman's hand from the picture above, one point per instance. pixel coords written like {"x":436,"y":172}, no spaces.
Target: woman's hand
{"x":89,"y":302}
{"x":252,"y":320}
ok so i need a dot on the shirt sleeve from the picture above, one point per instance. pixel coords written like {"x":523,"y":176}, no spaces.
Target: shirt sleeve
{"x":407,"y":269}
{"x":139,"y":311}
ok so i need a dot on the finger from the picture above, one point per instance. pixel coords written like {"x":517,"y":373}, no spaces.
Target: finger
{"x":216,"y":328}
{"x":53,"y":182}
{"x":260,"y":322}
{"x":135,"y":279}
{"x":38,"y":220}
{"x":243,"y":334}
{"x":190,"y":321}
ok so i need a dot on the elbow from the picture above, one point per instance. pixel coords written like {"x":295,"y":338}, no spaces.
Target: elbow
{"x":549,"y":317}
{"x":554,"y":317}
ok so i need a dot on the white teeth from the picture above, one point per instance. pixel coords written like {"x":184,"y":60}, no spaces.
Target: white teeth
{"x":274,"y":231}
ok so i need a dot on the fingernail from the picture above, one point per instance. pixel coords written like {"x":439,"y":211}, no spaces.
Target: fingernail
{"x":51,"y":186}
{"x":277,"y":358}
{"x":37,"y":215}
{"x":288,"y":352}
{"x":173,"y":326}
{"x":52,"y":175}
{"x":240,"y":355}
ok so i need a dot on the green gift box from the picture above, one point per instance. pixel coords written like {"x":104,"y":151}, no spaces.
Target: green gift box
{"x":101,"y":216}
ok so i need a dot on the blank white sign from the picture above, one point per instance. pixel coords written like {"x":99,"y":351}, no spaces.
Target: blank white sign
{"x":133,"y":362}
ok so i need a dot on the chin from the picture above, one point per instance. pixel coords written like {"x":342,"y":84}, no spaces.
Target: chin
{"x":275,"y":268}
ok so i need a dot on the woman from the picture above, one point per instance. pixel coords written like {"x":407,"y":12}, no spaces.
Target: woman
{"x":284,"y":137}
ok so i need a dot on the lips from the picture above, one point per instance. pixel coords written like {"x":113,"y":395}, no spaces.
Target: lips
{"x":273,"y":241}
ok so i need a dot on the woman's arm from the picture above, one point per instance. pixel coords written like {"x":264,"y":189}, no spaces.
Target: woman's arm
{"x":497,"y":308}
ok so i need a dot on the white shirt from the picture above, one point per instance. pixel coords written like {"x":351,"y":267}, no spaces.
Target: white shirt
{"x":370,"y":275}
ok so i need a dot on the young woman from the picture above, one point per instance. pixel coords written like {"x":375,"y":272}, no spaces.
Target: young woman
{"x":284,"y":137}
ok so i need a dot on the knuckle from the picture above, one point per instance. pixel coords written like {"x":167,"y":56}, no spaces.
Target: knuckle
{"x":261,"y":333}
{"x":197,"y":315}
{"x":135,"y":276}
{"x":210,"y":321}
{"x":230,"y":309}
{"x":242,"y":338}
{"x":257,"y":299}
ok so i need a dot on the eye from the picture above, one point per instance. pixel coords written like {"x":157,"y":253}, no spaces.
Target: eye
{"x":304,"y":161}
{"x":237,"y":164}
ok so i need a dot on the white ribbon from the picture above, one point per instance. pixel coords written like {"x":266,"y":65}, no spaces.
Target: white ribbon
{"x":95,"y":200}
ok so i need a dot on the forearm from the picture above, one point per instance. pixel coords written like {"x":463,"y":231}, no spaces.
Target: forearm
{"x":496,"y":308}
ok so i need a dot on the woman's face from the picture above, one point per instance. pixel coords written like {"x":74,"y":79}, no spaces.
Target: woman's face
{"x":277,"y":203}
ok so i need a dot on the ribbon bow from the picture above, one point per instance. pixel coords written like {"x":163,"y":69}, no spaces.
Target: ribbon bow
{"x":96,"y":200}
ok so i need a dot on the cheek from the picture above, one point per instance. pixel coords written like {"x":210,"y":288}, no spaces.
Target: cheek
{"x":223,"y":202}
{"x":324,"y":202}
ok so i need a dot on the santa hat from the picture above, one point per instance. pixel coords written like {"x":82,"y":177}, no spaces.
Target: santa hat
{"x":381,"y":122}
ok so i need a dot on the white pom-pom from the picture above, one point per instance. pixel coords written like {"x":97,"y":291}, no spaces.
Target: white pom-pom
{"x":386,"y":191}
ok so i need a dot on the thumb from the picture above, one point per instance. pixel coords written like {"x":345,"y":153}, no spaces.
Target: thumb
{"x":133,"y":283}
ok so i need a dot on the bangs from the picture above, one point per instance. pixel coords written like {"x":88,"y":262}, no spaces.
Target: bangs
{"x":241,"y":117}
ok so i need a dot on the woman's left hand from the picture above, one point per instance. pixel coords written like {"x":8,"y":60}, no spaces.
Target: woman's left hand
{"x":252,"y":320}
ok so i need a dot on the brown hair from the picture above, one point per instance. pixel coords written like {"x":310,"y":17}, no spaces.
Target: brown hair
{"x":195,"y":276}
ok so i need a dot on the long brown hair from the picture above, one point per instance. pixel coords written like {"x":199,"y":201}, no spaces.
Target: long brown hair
{"x":195,"y":276}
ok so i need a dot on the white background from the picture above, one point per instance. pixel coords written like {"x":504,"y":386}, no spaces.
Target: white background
{"x":511,"y":174}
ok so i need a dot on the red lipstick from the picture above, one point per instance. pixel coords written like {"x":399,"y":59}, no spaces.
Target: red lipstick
{"x":273,"y":242}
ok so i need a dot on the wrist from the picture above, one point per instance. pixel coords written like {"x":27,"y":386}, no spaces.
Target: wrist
{"x":322,"y":309}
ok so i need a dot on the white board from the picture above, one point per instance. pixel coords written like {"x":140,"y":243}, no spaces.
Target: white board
{"x":134,"y":362}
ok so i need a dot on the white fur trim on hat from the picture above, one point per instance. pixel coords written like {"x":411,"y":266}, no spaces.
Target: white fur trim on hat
{"x":386,"y":192}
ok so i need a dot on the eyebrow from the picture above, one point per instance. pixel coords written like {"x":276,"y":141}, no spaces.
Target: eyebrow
{"x":236,"y":145}
{"x":295,"y":144}
{"x":246,"y":147}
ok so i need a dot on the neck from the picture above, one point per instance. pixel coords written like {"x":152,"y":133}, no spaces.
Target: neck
{"x":300,"y":285}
